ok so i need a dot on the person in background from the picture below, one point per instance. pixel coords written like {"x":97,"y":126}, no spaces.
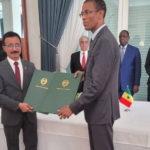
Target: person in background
{"x":79,"y":59}
{"x":147,"y":68}
{"x":130,"y":65}
{"x":2,"y":53}
{"x":99,"y":99}
{"x":15,"y":77}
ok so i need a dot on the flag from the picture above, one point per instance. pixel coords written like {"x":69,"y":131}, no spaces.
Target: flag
{"x":126,"y":98}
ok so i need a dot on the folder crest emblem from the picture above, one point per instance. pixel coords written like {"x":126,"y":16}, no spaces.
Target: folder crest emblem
{"x":44,"y":81}
{"x":65,"y":83}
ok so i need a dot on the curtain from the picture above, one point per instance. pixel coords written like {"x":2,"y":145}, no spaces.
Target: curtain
{"x":70,"y":38}
{"x":53,"y":15}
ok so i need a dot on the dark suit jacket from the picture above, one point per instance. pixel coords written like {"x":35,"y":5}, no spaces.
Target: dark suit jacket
{"x":130,"y":69}
{"x":76,"y":65}
{"x":11,"y":93}
{"x":147,"y":66}
{"x":100,"y":97}
{"x":75,"y":62}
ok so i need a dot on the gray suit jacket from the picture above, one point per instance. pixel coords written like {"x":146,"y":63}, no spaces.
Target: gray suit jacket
{"x":100,"y":94}
{"x":11,"y":93}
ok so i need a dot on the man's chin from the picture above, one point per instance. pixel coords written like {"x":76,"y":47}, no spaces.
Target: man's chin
{"x":15,"y":57}
{"x":86,"y":28}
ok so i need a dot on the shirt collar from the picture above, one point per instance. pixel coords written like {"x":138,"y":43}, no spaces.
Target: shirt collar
{"x":83,"y":51}
{"x":96,"y":32}
{"x":12,"y":61}
{"x":124,"y":46}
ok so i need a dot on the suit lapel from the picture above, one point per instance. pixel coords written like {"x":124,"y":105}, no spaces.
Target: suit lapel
{"x":12,"y":74}
{"x":92,"y":44}
{"x":24,"y":73}
{"x":79,"y":64}
{"x":126,"y":55}
{"x":97,"y":37}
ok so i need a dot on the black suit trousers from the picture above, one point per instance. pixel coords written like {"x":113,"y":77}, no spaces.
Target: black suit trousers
{"x":29,"y":129}
{"x":101,"y":137}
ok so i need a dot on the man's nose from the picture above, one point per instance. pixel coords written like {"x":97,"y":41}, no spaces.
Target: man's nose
{"x":14,"y":47}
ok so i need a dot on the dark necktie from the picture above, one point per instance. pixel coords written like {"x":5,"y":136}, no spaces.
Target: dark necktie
{"x":122,"y":54}
{"x":83,"y":60}
{"x":17,"y":73}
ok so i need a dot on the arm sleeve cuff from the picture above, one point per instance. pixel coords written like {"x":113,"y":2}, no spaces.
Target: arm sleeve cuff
{"x":76,"y":107}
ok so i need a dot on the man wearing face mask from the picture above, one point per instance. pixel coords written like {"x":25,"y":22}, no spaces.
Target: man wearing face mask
{"x":15,"y":77}
{"x":78,"y":59}
{"x":130,"y":65}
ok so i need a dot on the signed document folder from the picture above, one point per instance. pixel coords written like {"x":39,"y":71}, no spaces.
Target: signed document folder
{"x":49,"y":91}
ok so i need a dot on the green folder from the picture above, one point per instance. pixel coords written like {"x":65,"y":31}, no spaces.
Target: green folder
{"x":49,"y":91}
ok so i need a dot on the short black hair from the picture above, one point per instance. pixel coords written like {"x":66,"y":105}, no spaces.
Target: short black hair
{"x":100,"y":5}
{"x":10,"y":34}
{"x":127,"y":32}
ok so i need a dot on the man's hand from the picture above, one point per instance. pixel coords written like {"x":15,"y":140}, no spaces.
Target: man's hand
{"x":79,"y":73}
{"x":65,"y":112}
{"x":24,"y":107}
{"x":135,"y":88}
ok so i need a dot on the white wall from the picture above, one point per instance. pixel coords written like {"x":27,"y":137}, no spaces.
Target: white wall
{"x":34,"y":32}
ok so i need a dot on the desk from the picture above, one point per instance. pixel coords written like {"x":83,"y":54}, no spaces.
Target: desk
{"x":131,"y":131}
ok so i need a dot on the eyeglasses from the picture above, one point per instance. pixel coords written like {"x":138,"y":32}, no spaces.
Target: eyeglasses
{"x":84,"y":42}
{"x":16,"y":45}
{"x":87,"y":12}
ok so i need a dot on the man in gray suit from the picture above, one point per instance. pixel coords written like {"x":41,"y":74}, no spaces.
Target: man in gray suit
{"x":100,"y":93}
{"x":15,"y":76}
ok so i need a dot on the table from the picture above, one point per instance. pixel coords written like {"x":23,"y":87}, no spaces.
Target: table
{"x":131,"y":131}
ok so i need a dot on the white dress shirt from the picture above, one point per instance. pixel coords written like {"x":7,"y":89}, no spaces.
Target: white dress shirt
{"x":81,"y":55}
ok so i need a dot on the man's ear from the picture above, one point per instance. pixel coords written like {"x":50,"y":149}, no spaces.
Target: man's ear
{"x":128,"y":38}
{"x":3,"y":47}
{"x":101,"y":13}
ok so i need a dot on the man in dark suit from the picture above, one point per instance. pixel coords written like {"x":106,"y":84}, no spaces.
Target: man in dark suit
{"x":100,"y":97}
{"x":147,"y":68}
{"x":15,"y":76}
{"x":78,"y":59}
{"x":2,"y":53}
{"x":130,"y":65}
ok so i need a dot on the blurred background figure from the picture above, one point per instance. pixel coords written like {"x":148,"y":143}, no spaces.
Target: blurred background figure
{"x":147,"y":68}
{"x":78,"y":59}
{"x":130,"y":65}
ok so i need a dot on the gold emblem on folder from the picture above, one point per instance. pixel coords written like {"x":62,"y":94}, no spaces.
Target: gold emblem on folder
{"x":65,"y":83}
{"x":43,"y":81}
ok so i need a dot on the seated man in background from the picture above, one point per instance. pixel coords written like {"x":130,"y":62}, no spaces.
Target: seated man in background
{"x":15,"y":77}
{"x":130,"y":65}
{"x":78,"y":59}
